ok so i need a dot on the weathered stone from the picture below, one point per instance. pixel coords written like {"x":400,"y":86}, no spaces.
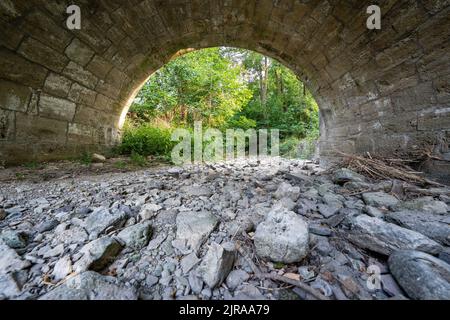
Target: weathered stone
{"x":14,"y":239}
{"x":57,"y":85}
{"x":421,"y":275}
{"x":101,"y":219}
{"x":287,"y":190}
{"x":188,"y":262}
{"x":197,"y":191}
{"x":344,"y":175}
{"x":79,"y":74}
{"x":432,"y":225}
{"x":98,"y":254}
{"x":424,"y":204}
{"x":217,"y":263}
{"x":236,"y":278}
{"x":82,"y":95}
{"x":195,"y":227}
{"x":91,"y":286}
{"x":149,"y":210}
{"x":136,"y":236}
{"x":10,"y":260}
{"x":56,"y":108}
{"x":62,"y":269}
{"x":379,"y":199}
{"x":282,"y":237}
{"x":13,"y":96}
{"x":8,"y":287}
{"x":79,"y":52}
{"x":40,"y":53}
{"x":376,"y":235}
{"x":98,"y":158}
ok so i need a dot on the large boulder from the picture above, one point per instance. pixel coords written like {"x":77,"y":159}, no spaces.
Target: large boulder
{"x":421,"y":275}
{"x":91,"y":286}
{"x":195,"y":227}
{"x":98,"y":254}
{"x":379,"y":236}
{"x":282,"y":237}
{"x":217,"y":263}
{"x":434,"y":226}
{"x":136,"y":236}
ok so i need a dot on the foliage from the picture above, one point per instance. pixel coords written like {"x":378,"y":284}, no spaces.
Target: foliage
{"x":224,"y":88}
{"x":146,"y":139}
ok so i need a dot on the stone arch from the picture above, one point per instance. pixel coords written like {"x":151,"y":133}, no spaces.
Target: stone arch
{"x":63,"y":91}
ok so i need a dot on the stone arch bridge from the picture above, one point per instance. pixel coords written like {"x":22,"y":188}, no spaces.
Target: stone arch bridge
{"x":63,"y":91}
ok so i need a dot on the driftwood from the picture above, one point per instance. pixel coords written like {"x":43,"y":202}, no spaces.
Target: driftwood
{"x":383,"y":168}
{"x":274,"y":277}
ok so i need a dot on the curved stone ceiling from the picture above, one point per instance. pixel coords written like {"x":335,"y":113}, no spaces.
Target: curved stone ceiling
{"x":64,"y":91}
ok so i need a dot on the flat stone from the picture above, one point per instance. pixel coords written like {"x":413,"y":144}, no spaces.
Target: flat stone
{"x":149,"y":210}
{"x":91,"y":286}
{"x":98,"y":254}
{"x":390,"y":286}
{"x":344,"y":175}
{"x":282,"y":237}
{"x":423,"y":204}
{"x":236,"y":278}
{"x":379,"y":199}
{"x":197,"y":191}
{"x":47,"y":225}
{"x":10,"y":261}
{"x":62,"y":268}
{"x":14,"y":239}
{"x":376,"y":235}
{"x":136,"y":236}
{"x":195,"y":227}
{"x":188,"y":262}
{"x":9,"y":287}
{"x":287,"y":190}
{"x":195,"y":282}
{"x":421,"y":275}
{"x":373,"y":212}
{"x":217,"y":263}
{"x":328,"y":210}
{"x":432,"y":225}
{"x":101,"y":219}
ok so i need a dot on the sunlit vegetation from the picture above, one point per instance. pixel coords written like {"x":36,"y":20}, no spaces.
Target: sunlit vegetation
{"x":224,"y":88}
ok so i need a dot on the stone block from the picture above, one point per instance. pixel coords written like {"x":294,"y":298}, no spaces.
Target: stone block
{"x":41,"y":54}
{"x":7,"y":125}
{"x":99,"y":67}
{"x":16,"y":68}
{"x":57,"y":85}
{"x":83,"y":95}
{"x":31,"y":129}
{"x":56,"y":108}
{"x":78,"y":73}
{"x":14,"y":96}
{"x":79,"y":52}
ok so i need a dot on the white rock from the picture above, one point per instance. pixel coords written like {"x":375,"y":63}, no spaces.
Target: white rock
{"x":282,"y":237}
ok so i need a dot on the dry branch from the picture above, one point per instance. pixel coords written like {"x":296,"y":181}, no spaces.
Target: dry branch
{"x":383,"y":168}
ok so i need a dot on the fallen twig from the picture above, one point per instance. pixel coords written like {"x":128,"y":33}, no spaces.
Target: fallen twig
{"x":275,"y":277}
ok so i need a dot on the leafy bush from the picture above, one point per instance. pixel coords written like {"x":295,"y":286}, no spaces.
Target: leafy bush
{"x":146,"y":140}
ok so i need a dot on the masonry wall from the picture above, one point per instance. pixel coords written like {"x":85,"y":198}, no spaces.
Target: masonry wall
{"x":63,"y":92}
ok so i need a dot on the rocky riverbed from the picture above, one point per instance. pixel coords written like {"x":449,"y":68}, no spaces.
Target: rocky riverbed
{"x":210,"y":231}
